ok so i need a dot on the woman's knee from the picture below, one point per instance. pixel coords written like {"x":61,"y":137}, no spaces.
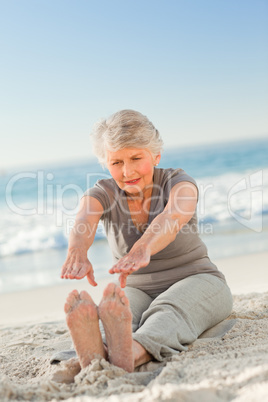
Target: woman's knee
{"x":209,"y":303}
{"x":139,"y":302}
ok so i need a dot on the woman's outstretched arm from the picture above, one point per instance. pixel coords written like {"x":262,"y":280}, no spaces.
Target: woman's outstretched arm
{"x":161,"y":232}
{"x":77,"y":265}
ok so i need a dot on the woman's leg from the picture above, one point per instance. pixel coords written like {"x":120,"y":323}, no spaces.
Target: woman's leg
{"x":139,"y":301}
{"x":174,"y":318}
{"x":83,"y":322}
{"x":179,"y":315}
{"x":82,"y":316}
{"x":140,"y":354}
{"x":118,"y":319}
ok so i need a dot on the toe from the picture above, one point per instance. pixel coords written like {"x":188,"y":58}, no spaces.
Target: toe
{"x":71,"y":301}
{"x":121,"y":293}
{"x":109,"y":291}
{"x":73,"y":297}
{"x":125,"y":300}
{"x":120,"y":296}
{"x":118,"y":290}
{"x":67,"y":308}
{"x":85,"y":296}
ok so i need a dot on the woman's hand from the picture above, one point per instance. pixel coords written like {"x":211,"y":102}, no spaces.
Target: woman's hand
{"x":137,"y":258}
{"x":77,"y":266}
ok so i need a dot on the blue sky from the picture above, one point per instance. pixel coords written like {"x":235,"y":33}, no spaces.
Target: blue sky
{"x":196,"y":68}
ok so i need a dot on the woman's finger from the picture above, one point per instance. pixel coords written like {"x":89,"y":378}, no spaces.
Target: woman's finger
{"x":91,"y":279}
{"x":113,"y":269}
{"x":73,"y":267}
{"x":117,"y":270}
{"x":74,"y":270}
{"x":128,"y":266}
{"x":65,"y":268}
{"x":123,"y":280}
{"x":85,"y":269}
{"x":68,"y":266}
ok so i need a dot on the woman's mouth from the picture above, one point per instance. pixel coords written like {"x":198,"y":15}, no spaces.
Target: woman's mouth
{"x":132,"y":182}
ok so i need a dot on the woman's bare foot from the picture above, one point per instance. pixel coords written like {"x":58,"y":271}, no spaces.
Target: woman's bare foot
{"x":116,"y":317}
{"x":141,"y":355}
{"x":83,"y":322}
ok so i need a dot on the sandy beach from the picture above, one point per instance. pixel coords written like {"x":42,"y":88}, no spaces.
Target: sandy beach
{"x":219,"y":367}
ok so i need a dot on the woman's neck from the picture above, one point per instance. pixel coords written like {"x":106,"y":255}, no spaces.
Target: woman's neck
{"x":141,"y":196}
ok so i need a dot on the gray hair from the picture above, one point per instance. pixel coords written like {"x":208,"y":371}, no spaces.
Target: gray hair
{"x":125,"y":129}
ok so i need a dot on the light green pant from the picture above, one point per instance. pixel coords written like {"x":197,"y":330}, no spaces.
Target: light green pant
{"x":166,"y":323}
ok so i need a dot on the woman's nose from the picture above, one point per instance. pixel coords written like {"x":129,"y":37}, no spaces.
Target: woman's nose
{"x":127,"y":170}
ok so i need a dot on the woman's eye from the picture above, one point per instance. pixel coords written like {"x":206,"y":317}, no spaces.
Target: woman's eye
{"x":115,"y":163}
{"x":136,"y":159}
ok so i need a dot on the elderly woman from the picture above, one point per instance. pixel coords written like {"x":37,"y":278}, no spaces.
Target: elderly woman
{"x":173,"y":292}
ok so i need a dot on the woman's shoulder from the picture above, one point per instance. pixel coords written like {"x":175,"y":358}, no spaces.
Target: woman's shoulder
{"x":103,"y":189}
{"x":165,"y":175}
{"x":103,"y":185}
{"x":106,"y":184}
{"x":165,"y":179}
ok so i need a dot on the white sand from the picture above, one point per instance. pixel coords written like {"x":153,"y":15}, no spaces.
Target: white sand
{"x":233,"y":367}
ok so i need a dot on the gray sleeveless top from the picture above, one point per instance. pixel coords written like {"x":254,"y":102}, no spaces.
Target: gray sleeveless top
{"x":183,"y":257}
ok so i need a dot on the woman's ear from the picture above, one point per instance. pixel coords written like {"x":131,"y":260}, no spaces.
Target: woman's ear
{"x":157,"y":159}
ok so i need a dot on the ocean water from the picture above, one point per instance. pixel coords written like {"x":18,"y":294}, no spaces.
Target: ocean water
{"x":38,"y":208}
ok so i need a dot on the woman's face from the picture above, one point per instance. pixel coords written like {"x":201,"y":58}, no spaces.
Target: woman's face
{"x":132,"y":169}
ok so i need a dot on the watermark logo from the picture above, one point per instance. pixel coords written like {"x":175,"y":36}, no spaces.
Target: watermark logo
{"x":247,"y":191}
{"x":242,"y":201}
